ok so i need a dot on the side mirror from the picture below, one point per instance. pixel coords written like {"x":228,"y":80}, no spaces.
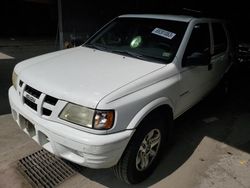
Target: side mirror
{"x":197,"y":59}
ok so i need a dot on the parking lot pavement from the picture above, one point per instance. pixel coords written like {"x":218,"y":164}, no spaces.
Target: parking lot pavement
{"x":14,"y":145}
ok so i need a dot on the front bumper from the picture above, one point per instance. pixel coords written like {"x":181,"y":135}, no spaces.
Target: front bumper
{"x":86,"y":149}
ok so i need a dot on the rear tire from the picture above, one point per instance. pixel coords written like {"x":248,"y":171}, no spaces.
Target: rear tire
{"x":143,"y":152}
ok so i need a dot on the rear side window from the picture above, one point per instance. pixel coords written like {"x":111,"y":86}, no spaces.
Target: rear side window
{"x":220,"y":39}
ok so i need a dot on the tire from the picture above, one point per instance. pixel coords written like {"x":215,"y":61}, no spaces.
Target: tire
{"x":140,"y":157}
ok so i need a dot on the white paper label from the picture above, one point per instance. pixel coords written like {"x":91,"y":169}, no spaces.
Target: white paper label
{"x":163,"y":33}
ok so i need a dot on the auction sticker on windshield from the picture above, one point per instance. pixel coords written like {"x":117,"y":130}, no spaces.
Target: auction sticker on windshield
{"x":163,"y":33}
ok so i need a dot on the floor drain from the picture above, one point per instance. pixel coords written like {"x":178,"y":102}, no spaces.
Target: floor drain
{"x":44,"y":169}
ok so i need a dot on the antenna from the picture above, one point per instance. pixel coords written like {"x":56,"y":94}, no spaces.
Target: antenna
{"x":192,"y":12}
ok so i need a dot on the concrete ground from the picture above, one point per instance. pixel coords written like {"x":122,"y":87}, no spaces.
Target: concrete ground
{"x":211,"y":147}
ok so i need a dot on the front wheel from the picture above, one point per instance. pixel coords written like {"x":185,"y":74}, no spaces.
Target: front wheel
{"x":142,"y":154}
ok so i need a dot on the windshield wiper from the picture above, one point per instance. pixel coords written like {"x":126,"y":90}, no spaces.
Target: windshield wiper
{"x":128,"y":53}
{"x":138,"y":56}
{"x":97,"y":47}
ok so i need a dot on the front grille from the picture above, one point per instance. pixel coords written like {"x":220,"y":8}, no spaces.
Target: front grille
{"x":30,"y":104}
{"x":32,"y":91}
{"x":20,"y":83}
{"x":46,"y":112}
{"x":50,"y":100}
{"x":38,"y":101}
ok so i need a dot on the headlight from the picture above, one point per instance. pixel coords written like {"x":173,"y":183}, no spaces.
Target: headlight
{"x":14,"y":79}
{"x":78,"y":114}
{"x":87,"y":117}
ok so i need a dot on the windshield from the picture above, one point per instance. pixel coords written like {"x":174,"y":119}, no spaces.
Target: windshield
{"x":148,"y":39}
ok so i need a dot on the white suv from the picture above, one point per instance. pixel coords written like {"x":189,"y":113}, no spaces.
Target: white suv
{"x":112,"y":101}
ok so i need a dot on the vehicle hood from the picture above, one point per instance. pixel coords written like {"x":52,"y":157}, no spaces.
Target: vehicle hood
{"x":82,"y":75}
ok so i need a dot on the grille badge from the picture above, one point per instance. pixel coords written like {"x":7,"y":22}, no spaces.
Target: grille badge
{"x":30,"y":98}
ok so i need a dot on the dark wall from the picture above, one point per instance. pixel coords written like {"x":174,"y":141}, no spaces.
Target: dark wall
{"x":82,"y":18}
{"x":25,"y":18}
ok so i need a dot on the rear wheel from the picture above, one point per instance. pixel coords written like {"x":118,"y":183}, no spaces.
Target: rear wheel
{"x":143,"y":152}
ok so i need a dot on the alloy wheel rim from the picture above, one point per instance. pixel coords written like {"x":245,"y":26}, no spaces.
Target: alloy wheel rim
{"x":148,"y":149}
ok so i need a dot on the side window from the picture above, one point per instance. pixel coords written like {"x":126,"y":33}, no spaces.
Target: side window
{"x":220,"y":39}
{"x":199,"y":41}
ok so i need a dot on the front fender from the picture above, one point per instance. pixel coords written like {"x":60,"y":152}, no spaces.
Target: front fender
{"x":147,"y":109}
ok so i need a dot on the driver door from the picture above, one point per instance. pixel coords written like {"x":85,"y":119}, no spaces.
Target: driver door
{"x":195,"y":79}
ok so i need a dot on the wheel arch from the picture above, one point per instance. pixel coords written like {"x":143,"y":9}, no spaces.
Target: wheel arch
{"x":125,"y":169}
{"x":159,"y":106}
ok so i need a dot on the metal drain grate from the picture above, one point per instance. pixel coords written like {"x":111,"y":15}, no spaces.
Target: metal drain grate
{"x":44,"y":169}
